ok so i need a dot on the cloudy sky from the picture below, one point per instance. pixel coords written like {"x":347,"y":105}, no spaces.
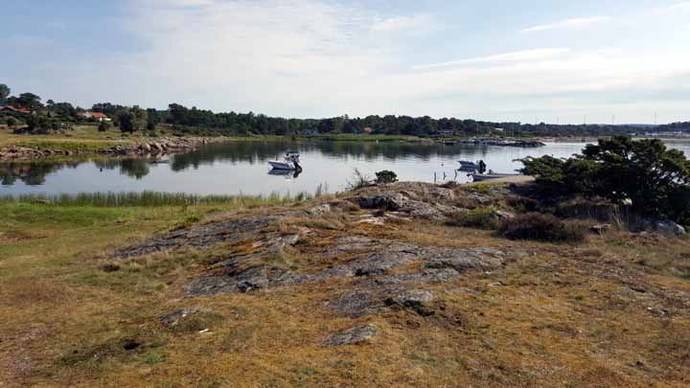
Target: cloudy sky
{"x":539,"y":60}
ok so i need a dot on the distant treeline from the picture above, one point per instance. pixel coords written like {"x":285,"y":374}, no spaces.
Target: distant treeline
{"x":60,"y":115}
{"x":205,"y":122}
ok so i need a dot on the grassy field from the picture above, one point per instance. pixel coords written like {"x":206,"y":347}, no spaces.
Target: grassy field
{"x":88,"y":138}
{"x":610,"y":311}
{"x":61,"y":311}
{"x":83,"y":137}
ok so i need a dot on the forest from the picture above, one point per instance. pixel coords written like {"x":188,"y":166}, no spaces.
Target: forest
{"x":27,"y":113}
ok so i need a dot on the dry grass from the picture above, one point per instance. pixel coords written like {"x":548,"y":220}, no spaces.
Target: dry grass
{"x":610,"y":311}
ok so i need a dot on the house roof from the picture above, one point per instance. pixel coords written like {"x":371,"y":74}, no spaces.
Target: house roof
{"x":11,"y":108}
{"x":94,"y":115}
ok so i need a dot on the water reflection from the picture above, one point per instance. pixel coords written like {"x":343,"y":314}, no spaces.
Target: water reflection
{"x":285,"y":173}
{"x":133,"y":168}
{"x":261,"y":152}
{"x":242,"y":167}
{"x":31,"y":174}
{"x":34,"y":174}
{"x":237,"y":152}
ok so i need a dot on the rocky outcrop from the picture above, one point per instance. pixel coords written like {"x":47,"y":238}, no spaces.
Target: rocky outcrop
{"x":410,"y":199}
{"x":204,"y":235}
{"x":416,"y":300}
{"x":383,"y":274}
{"x":355,"y":335}
{"x":157,"y":147}
{"x":14,"y":153}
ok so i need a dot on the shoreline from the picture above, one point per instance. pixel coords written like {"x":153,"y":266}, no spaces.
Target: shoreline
{"x":151,"y":147}
{"x":87,"y":143}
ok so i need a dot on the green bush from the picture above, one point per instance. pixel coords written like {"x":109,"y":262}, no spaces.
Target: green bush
{"x":481,"y":218}
{"x":11,"y":122}
{"x":593,"y":209}
{"x":386,"y":176}
{"x":655,"y":181}
{"x":541,"y":227}
{"x":522,"y":204}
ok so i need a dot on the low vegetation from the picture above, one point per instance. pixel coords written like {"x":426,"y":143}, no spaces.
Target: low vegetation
{"x":481,"y":218}
{"x":541,"y":227}
{"x":96,"y":290}
{"x":386,"y":176}
{"x":150,"y":199}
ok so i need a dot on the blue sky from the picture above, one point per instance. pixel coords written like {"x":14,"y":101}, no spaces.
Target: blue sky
{"x":555,"y":61}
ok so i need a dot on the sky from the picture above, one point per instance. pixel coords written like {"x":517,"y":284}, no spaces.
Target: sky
{"x":557,"y":61}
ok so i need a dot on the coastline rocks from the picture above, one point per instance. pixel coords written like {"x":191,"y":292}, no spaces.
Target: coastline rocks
{"x":158,"y":147}
{"x":663,"y":227}
{"x":669,"y":227}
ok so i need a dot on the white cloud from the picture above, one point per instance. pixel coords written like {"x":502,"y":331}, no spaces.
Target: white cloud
{"x":514,"y":56}
{"x":179,"y":3}
{"x":314,"y":58}
{"x":681,"y":6}
{"x":402,"y":23}
{"x":568,"y":23}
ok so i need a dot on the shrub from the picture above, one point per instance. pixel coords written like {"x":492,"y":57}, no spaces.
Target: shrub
{"x":12,"y":122}
{"x":386,"y":176}
{"x":522,"y":204}
{"x":541,"y":227}
{"x":595,"y":209}
{"x":654,"y":179}
{"x":103,"y":126}
{"x":481,"y":218}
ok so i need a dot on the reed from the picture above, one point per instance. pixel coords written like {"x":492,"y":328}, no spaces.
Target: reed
{"x":151,"y":199}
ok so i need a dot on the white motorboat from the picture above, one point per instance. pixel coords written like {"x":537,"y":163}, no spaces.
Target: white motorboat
{"x":466,"y":165}
{"x":290,"y":162}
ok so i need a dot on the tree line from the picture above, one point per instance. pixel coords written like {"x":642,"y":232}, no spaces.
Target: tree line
{"x":61,"y":115}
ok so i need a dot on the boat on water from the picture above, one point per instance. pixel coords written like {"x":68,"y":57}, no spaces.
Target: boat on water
{"x":466,"y":165}
{"x":290,"y":162}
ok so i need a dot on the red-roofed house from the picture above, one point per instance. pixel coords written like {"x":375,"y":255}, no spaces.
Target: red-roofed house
{"x":98,"y":116}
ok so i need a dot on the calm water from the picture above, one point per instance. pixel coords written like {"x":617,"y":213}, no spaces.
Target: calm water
{"x":242,"y":168}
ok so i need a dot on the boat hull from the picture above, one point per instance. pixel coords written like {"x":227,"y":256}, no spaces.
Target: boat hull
{"x":282,"y":166}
